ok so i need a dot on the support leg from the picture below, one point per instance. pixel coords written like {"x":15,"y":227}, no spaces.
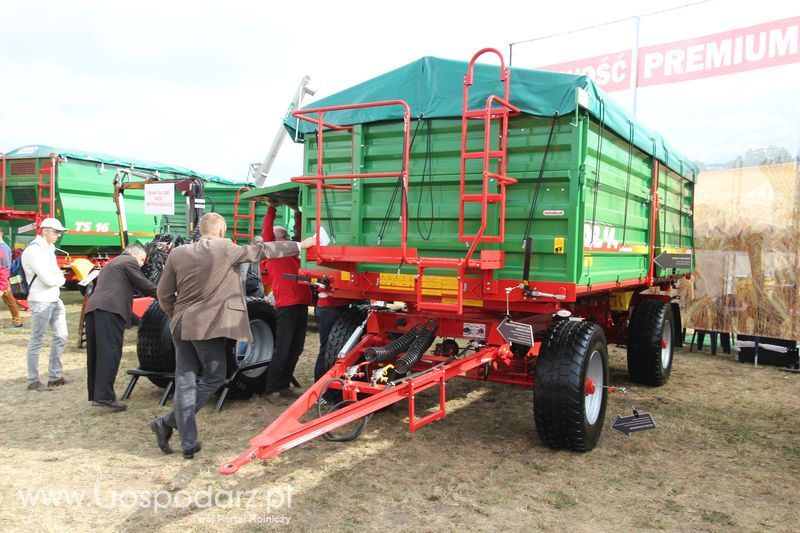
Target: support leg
{"x":129,"y":388}
{"x":167,"y":392}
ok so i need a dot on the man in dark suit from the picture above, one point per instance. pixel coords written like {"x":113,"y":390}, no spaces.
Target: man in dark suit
{"x":107,"y":313}
{"x":201,"y":290}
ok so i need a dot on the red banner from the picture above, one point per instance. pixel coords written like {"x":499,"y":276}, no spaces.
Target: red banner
{"x":755,"y":47}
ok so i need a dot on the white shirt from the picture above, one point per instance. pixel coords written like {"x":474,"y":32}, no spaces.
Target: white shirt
{"x":39,"y":259}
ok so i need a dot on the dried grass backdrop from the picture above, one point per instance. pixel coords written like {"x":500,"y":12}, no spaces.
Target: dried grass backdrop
{"x":747,"y":244}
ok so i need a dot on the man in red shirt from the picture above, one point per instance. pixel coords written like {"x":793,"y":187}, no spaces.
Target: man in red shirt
{"x":291,"y":302}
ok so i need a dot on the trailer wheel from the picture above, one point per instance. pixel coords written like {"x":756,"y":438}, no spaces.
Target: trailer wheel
{"x":262,"y":328}
{"x":154,"y":347}
{"x":341,"y":331}
{"x":678,"y":324}
{"x":651,"y":343}
{"x":569,"y":394}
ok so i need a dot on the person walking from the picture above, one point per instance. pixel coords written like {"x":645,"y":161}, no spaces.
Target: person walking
{"x":108,"y":312}
{"x":44,"y":278}
{"x":5,"y":287}
{"x":291,"y":303}
{"x":201,"y":291}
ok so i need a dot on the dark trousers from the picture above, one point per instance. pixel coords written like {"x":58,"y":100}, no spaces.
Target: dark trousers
{"x":192,"y":358}
{"x":290,"y":337}
{"x":326,"y":318}
{"x":104,"y":333}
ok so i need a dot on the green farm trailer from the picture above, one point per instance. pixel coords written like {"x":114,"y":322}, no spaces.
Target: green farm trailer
{"x":78,"y":188}
{"x":522,"y":218}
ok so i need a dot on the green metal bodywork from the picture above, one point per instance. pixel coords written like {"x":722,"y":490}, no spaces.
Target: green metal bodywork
{"x":589,"y":140}
{"x":84,"y":199}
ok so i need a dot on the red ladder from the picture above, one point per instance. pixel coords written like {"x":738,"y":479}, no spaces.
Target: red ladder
{"x":488,"y":115}
{"x":250,"y":217}
{"x":47,"y":175}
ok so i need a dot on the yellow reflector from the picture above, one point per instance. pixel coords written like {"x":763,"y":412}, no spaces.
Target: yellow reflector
{"x":81,"y":267}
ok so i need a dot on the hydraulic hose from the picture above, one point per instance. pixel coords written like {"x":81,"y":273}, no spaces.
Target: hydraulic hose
{"x":353,"y":435}
{"x":381,"y":354}
{"x":418,"y":347}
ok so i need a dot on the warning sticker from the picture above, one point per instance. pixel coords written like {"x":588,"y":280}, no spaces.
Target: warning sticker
{"x":558,"y":245}
{"x":474,"y":331}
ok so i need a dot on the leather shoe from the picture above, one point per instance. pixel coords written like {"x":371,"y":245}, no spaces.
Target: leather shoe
{"x":275,"y":399}
{"x":57,"y":382}
{"x":188,"y":453}
{"x":113,"y":405}
{"x":38,"y":386}
{"x":291,"y":393}
{"x":163,"y":433}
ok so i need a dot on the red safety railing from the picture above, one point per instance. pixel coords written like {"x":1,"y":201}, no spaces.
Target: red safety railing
{"x":320,"y":178}
{"x":46,"y":193}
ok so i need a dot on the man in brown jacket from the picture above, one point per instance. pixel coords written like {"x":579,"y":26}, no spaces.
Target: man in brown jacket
{"x":200,"y":289}
{"x":107,"y":313}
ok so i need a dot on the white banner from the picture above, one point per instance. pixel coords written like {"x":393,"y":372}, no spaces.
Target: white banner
{"x":159,"y":198}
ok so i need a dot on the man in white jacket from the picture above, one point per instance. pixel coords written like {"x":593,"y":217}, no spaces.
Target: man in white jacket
{"x":45,"y":277}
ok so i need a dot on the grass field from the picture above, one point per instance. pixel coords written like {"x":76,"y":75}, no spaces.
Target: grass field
{"x":725,"y":456}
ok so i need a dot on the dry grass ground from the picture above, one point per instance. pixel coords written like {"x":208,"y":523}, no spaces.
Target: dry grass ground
{"x":725,"y":456}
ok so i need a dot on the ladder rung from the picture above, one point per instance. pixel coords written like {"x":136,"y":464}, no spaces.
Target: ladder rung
{"x":481,"y":113}
{"x":484,"y":238}
{"x":478,"y":198}
{"x":479,"y":155}
{"x":436,"y":306}
{"x":438,"y":262}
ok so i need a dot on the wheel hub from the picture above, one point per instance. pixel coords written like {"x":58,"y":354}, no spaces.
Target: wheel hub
{"x":593,"y":387}
{"x":258,"y":351}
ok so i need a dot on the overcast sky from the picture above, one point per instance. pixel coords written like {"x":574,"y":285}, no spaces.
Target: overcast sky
{"x":205,"y":84}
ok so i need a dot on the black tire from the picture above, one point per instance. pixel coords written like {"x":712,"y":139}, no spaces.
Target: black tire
{"x":566,"y":417}
{"x":262,"y":327}
{"x":341,"y":331}
{"x":154,"y":347}
{"x":678,"y":325}
{"x":651,"y":326}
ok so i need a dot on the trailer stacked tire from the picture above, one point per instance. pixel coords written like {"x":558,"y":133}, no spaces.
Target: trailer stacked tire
{"x":156,"y":352}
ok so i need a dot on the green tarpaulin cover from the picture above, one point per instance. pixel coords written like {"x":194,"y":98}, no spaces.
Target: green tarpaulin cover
{"x":38,"y":150}
{"x":433,"y":88}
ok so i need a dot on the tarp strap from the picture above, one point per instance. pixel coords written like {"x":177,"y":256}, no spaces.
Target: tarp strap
{"x":529,"y":225}
{"x":628,"y":183}
{"x":427,"y":169}
{"x":387,"y":221}
{"x":680,"y":215}
{"x":664,"y":201}
{"x":597,"y":165}
{"x":326,"y":203}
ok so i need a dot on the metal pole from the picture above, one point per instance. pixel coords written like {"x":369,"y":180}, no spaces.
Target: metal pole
{"x":263,"y":170}
{"x":796,"y":229}
{"x":3,"y":176}
{"x":635,"y":64}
